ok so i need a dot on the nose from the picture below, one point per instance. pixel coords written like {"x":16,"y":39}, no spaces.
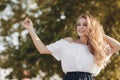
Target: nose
{"x":80,"y":27}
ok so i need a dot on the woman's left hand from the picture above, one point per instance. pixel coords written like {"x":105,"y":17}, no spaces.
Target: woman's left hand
{"x":114,"y":44}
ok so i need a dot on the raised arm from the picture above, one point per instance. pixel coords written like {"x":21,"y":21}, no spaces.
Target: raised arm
{"x":115,"y":45}
{"x":36,"y":40}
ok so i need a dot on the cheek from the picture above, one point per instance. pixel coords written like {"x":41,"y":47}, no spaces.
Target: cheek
{"x":78,"y":28}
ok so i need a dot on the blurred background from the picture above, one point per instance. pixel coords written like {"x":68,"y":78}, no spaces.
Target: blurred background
{"x":53,"y":19}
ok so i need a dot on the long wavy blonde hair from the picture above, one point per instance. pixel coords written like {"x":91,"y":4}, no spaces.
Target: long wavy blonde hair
{"x":96,"y":43}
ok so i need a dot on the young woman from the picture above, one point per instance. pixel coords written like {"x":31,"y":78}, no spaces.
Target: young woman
{"x":81,"y":58}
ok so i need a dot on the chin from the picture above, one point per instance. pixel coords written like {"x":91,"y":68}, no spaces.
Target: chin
{"x":82,"y":34}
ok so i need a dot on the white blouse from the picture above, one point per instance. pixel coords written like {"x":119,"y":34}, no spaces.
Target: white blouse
{"x":74,"y":57}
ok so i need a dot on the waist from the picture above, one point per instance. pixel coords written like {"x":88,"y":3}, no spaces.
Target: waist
{"x":79,"y":73}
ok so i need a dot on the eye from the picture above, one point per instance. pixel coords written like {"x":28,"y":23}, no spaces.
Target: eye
{"x":85,"y":25}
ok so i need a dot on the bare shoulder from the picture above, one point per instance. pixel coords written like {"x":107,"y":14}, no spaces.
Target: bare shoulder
{"x":69,"y":39}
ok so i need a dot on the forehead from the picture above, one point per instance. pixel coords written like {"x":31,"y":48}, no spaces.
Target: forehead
{"x":82,"y":20}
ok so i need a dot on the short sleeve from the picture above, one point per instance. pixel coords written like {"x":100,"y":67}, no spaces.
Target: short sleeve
{"x":56,"y":49}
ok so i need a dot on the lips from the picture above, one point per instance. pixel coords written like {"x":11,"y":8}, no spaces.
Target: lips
{"x":81,"y":31}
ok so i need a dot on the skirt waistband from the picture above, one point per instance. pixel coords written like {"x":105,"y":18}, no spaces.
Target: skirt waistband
{"x":79,"y":73}
{"x":78,"y":76}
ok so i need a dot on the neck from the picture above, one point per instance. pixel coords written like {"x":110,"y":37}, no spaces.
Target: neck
{"x":83,"y":39}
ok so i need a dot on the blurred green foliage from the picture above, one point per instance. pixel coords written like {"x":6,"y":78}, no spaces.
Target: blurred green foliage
{"x":53,"y":19}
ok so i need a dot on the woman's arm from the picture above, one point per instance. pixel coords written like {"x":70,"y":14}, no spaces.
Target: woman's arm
{"x":115,"y":45}
{"x":36,"y":40}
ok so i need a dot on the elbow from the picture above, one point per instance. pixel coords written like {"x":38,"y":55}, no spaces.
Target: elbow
{"x":44,"y":52}
{"x":41,"y":52}
{"x":119,"y":47}
{"x":116,"y":49}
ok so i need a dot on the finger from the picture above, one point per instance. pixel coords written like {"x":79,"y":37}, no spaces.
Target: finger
{"x":27,"y":21}
{"x":27,"y":18}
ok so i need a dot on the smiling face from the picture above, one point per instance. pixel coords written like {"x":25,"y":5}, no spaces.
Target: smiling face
{"x":81,"y":27}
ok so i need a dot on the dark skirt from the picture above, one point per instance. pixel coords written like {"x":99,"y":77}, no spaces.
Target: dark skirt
{"x":78,"y":76}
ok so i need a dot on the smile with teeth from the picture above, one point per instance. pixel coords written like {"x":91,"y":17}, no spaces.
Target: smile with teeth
{"x":81,"y":31}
